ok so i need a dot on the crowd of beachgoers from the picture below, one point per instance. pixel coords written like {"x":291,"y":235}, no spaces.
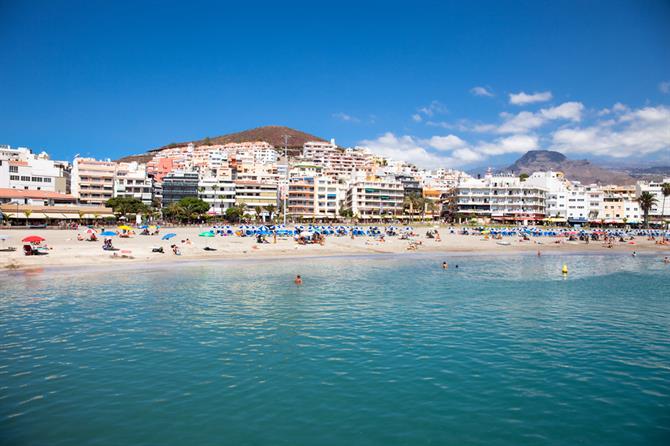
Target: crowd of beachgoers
{"x":84,"y":244}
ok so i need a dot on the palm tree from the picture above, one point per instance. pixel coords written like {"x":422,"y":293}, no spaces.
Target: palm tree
{"x":215,"y":188}
{"x":646,"y":201}
{"x":259,"y":211}
{"x":665,"y":190}
{"x":430,"y":206}
{"x":27,"y":214}
{"x":271,"y":208}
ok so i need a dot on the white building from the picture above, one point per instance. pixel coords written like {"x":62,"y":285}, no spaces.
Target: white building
{"x":316,"y":197}
{"x":376,"y":198}
{"x":21,"y":169}
{"x":502,"y":198}
{"x":219,"y":194}
{"x":131,"y":180}
{"x":565,"y":201}
{"x":660,"y":210}
{"x":93,"y":180}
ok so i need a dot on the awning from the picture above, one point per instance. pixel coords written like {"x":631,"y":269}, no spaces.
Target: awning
{"x":33,"y":216}
{"x":556,"y":219}
{"x":71,"y":216}
{"x":53,"y":215}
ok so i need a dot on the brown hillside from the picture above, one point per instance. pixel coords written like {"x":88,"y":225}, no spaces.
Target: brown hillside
{"x":272,"y":134}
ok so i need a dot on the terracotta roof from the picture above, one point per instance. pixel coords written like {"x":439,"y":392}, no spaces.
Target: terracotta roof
{"x":17,"y":163}
{"x":23,"y":193}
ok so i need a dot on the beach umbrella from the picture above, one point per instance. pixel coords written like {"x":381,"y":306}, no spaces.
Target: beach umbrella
{"x":33,"y":239}
{"x":168,"y":236}
{"x":125,"y":228}
{"x":90,"y":231}
{"x":206,"y":234}
{"x":144,"y":227}
{"x":108,"y":234}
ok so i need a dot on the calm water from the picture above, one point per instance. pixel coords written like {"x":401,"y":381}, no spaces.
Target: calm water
{"x":384,"y":350}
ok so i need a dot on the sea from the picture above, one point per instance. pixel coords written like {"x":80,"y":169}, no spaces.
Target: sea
{"x":377,"y":350}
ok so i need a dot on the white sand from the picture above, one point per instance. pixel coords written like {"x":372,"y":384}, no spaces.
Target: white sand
{"x":66,"y":250}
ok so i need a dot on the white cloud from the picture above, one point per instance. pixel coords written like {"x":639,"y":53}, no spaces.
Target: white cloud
{"x":482,"y":91}
{"x":637,"y":132}
{"x":525,"y":98}
{"x":417,"y":117}
{"x":345,"y":117}
{"x":509,"y":144}
{"x":664,"y":87}
{"x":571,"y":111}
{"x":435,"y":107}
{"x":448,"y":142}
{"x":403,"y":148}
{"x":524,"y":121}
{"x":521,"y":122}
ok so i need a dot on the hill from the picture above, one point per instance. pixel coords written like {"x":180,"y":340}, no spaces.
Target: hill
{"x":272,"y":134}
{"x":576,"y":170}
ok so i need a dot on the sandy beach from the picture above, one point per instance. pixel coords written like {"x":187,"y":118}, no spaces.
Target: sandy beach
{"x":66,"y":250}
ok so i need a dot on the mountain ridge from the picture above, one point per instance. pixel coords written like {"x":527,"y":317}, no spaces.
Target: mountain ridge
{"x":272,"y":134}
{"x":576,"y":170}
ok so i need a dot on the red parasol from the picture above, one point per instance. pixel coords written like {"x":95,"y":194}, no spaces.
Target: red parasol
{"x":33,"y":239}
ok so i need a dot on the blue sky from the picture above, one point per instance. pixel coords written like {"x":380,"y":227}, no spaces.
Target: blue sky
{"x":457,"y":84}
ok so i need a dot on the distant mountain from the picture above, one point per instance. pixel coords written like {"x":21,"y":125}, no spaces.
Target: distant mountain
{"x":272,"y":134}
{"x":576,"y":170}
{"x":656,"y":173}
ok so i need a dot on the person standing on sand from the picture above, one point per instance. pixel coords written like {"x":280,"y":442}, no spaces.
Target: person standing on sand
{"x":298,"y":280}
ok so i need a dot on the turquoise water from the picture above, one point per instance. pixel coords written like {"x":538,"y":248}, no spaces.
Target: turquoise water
{"x":369,"y":351}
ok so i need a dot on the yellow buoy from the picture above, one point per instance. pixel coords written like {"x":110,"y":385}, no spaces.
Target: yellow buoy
{"x":565,"y":268}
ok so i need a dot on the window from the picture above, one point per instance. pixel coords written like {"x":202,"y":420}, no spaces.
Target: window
{"x":14,"y":169}
{"x":14,"y":177}
{"x":25,"y":178}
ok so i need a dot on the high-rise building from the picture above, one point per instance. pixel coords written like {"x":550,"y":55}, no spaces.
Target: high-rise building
{"x":179,"y":184}
{"x":93,"y":180}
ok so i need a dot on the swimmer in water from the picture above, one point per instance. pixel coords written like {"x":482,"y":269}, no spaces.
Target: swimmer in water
{"x":445,"y":265}
{"x":666,"y":260}
{"x":539,"y":253}
{"x":634,"y":254}
{"x":298,"y":280}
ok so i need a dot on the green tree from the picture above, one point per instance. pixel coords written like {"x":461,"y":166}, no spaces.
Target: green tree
{"x":259,"y":211}
{"x":27,"y":214}
{"x":192,"y":207}
{"x":235,"y":213}
{"x":271,"y":208}
{"x":523,"y":176}
{"x":646,"y":201}
{"x":123,"y":206}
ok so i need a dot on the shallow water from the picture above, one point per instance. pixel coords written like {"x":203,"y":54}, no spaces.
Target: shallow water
{"x":383,"y":350}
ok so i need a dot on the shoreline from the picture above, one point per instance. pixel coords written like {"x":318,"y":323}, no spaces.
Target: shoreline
{"x":67,"y":253}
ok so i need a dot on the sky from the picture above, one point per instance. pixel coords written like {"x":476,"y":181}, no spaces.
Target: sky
{"x":442,"y":84}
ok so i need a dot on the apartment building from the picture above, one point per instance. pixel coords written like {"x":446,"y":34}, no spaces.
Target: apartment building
{"x":219,"y":194}
{"x":619,"y":206}
{"x":256,"y":197}
{"x":661,"y":210}
{"x":375,"y":198}
{"x":314,"y":197}
{"x":21,"y":169}
{"x":503,"y":198}
{"x":132,"y":180}
{"x":565,"y":201}
{"x":179,"y":184}
{"x":93,"y":180}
